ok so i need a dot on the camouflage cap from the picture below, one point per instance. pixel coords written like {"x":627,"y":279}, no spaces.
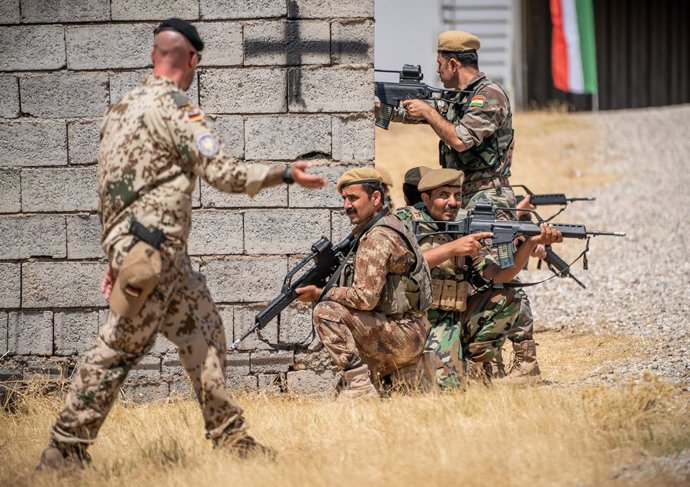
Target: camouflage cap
{"x":440,"y":177}
{"x":385,"y":176}
{"x":457,"y":41}
{"x":414,"y":175}
{"x":184,"y":28}
{"x":358,"y":176}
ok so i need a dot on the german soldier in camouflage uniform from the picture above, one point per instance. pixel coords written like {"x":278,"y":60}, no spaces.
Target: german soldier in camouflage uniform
{"x":468,"y":327}
{"x":373,"y":323}
{"x":154,"y":144}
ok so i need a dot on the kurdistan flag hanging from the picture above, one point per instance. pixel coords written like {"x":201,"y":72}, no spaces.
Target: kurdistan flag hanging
{"x":573,"y":48}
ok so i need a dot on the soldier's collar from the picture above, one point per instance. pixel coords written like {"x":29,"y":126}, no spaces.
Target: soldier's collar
{"x":152,"y":79}
{"x":480,"y":76}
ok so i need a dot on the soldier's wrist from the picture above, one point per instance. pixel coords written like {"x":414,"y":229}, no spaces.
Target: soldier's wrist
{"x":287,"y":175}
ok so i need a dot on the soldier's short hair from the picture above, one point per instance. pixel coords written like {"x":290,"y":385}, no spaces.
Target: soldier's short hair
{"x":467,"y":59}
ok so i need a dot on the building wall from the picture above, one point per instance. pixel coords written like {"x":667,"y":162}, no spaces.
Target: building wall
{"x":281,"y":78}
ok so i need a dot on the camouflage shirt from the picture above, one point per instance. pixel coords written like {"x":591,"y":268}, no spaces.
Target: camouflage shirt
{"x":154,"y":144}
{"x":381,"y":251}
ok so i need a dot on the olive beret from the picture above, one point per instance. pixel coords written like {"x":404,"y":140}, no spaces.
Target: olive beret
{"x":184,"y":28}
{"x":385,"y":176}
{"x":457,"y":41}
{"x":440,"y":177}
{"x":358,"y":176}
{"x":412,"y":176}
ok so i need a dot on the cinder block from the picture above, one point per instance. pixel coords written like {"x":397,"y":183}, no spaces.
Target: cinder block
{"x":263,"y":361}
{"x":68,"y":189}
{"x":34,"y":143}
{"x":257,"y":90}
{"x":148,"y":368}
{"x":244,"y":383}
{"x":216,"y":232}
{"x":353,"y":42}
{"x":311,"y":382}
{"x":327,"y":196}
{"x":287,"y":43}
{"x":51,"y":11}
{"x":109,"y":46}
{"x":275,"y":196}
{"x":9,"y":97}
{"x":225,"y":43}
{"x":62,"y":284}
{"x":244,"y":319}
{"x":9,"y":12}
{"x":154,"y":10}
{"x":84,"y":237}
{"x":322,"y":89}
{"x":241,"y":9}
{"x":172,"y":367}
{"x":10,"y":183}
{"x":244,"y":280}
{"x":30,"y":333}
{"x":82,"y":141}
{"x":283,"y":231}
{"x":75,"y":331}
{"x":10,"y":286}
{"x":237,"y":363}
{"x":353,"y":139}
{"x":230,"y":129}
{"x":340,"y":226}
{"x":103,"y":317}
{"x":25,"y":236}
{"x":32,"y":48}
{"x":59,"y":95}
{"x":3,"y":335}
{"x":285,"y":137}
{"x":271,"y":383}
{"x":121,"y":83}
{"x":306,"y":9}
{"x":296,"y":324}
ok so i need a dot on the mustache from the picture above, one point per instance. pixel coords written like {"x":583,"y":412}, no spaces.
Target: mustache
{"x":351,"y":211}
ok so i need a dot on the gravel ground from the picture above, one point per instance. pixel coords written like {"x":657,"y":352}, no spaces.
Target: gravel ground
{"x":637,"y":285}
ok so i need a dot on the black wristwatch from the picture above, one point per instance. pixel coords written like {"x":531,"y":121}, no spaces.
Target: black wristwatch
{"x":287,"y":175}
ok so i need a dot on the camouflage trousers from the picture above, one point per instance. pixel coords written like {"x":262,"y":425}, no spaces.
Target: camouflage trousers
{"x":476,"y":335}
{"x":523,"y":328}
{"x":353,"y":337}
{"x":181,"y":308}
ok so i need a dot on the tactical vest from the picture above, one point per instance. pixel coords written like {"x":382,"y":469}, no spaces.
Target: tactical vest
{"x":449,"y":288}
{"x":486,"y":156}
{"x":401,"y":293}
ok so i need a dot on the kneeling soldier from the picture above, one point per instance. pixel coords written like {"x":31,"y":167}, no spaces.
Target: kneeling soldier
{"x":468,"y":327}
{"x":373,"y":323}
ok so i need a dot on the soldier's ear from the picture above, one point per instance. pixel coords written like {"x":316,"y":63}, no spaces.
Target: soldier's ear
{"x":426,"y":198}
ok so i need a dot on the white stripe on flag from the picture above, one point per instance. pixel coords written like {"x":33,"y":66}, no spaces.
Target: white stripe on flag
{"x":576,"y":80}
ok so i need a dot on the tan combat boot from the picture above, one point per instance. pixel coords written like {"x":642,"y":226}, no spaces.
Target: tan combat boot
{"x":357,"y":385}
{"x":244,"y":446}
{"x":64,"y":457}
{"x":525,"y":368}
{"x":418,"y":376}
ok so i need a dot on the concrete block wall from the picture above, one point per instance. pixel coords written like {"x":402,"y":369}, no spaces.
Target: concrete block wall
{"x":282,"y":79}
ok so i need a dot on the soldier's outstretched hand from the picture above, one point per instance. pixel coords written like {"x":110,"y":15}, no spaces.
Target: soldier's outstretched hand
{"x":305,"y":179}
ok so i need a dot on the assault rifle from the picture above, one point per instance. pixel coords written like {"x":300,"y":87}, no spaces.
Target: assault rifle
{"x":548,"y":199}
{"x":410,"y":87}
{"x":483,"y":219}
{"x":326,"y":257}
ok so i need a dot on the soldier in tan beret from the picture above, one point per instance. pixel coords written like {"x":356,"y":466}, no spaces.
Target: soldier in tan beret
{"x":387,"y":182}
{"x":475,"y":127}
{"x":373,"y":323}
{"x":410,"y":183}
{"x":468,"y":328}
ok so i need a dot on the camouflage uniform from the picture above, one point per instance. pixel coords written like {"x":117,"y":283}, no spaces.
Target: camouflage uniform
{"x":468,"y":328}
{"x":376,"y":315}
{"x":154,"y":144}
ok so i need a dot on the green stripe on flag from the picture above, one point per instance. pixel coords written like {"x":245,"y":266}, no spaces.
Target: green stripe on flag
{"x":588,"y":47}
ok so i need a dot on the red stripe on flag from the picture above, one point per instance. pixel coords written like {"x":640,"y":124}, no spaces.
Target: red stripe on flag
{"x":559,"y":48}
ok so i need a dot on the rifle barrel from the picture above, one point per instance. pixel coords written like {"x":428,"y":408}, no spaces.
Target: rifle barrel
{"x":582,"y":198}
{"x":596,"y":233}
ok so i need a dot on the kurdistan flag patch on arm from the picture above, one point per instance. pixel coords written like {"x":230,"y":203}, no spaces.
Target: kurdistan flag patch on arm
{"x":477,"y":101}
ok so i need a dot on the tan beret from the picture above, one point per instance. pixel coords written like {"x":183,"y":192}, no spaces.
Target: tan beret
{"x":457,"y":41}
{"x":440,"y":177}
{"x":358,"y":176}
{"x":412,"y":176}
{"x":385,"y":176}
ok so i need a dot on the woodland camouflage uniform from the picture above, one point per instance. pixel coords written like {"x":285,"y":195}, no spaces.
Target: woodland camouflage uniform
{"x":154,"y":144}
